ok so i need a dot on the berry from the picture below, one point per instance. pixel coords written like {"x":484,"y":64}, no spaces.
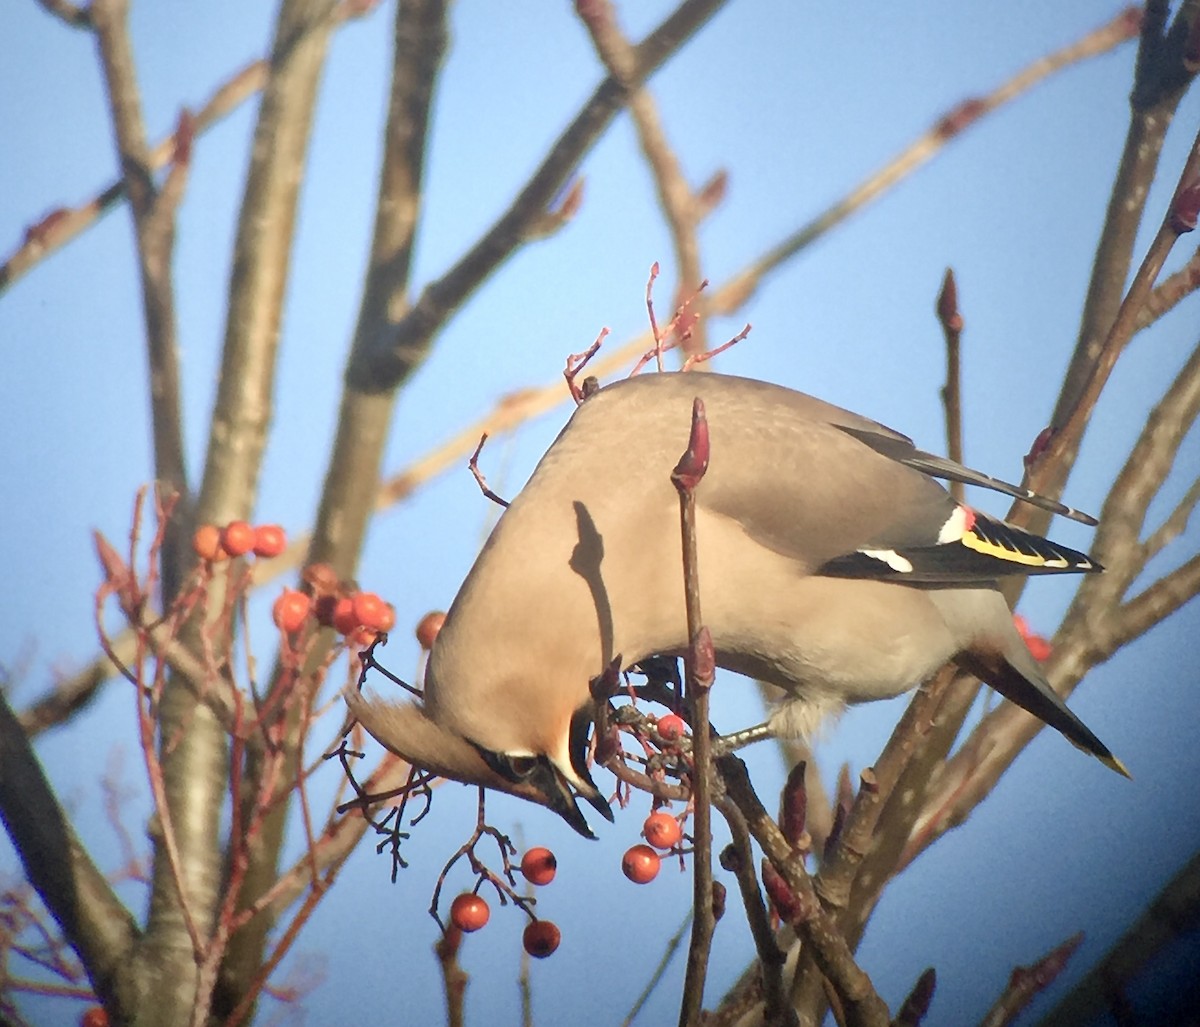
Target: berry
{"x":640,"y":864}
{"x":541,"y":938}
{"x":207,"y":543}
{"x":95,"y":1016}
{"x":269,"y":540}
{"x":237,"y":538}
{"x":539,"y":867}
{"x":291,"y":610}
{"x":428,"y":628}
{"x":344,"y":618}
{"x":387,"y":620}
{"x":361,"y":637}
{"x":469,"y":912}
{"x":671,"y":727}
{"x":370,"y":610}
{"x":662,"y":830}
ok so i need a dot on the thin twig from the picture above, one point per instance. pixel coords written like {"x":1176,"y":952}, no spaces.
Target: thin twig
{"x":669,"y":951}
{"x":862,"y":1006}
{"x":675,"y":197}
{"x":63,"y":224}
{"x":949,"y":126}
{"x":701,"y":662}
{"x":951,"y":320}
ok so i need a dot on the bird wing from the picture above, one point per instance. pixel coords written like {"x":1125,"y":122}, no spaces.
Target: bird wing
{"x":838,"y":494}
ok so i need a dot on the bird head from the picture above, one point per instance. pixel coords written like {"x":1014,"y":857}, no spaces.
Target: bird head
{"x":551,"y":779}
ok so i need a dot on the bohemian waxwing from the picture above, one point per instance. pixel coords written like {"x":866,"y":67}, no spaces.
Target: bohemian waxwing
{"x":830,"y":564}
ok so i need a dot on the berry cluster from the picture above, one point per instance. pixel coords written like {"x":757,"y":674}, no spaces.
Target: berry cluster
{"x":469,"y":911}
{"x":641,"y":863}
{"x":237,"y":538}
{"x":360,"y":616}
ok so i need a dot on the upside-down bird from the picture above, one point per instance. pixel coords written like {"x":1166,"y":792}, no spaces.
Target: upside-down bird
{"x":831,"y":564}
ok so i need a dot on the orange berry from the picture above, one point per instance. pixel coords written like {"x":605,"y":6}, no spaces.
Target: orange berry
{"x":237,"y":538}
{"x":539,"y":866}
{"x":469,"y":912}
{"x":94,"y":1016}
{"x":428,"y":628}
{"x":387,"y":620}
{"x":541,"y":938}
{"x":361,"y":637}
{"x":370,"y":610}
{"x":671,"y":727}
{"x":269,"y":540}
{"x":640,"y":864}
{"x":662,"y":830}
{"x":344,"y":618}
{"x":291,"y":610}
{"x":207,"y":543}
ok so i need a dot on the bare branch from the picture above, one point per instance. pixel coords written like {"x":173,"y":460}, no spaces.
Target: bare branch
{"x":701,"y":663}
{"x":92,"y":917}
{"x":395,"y":356}
{"x":927,"y":146}
{"x":1171,"y":291}
{"x":1157,"y":90}
{"x":352,"y":476}
{"x":951,"y":320}
{"x":1172,"y":913}
{"x":817,"y":928}
{"x":63,"y":224}
{"x":154,"y":223}
{"x":75,"y":15}
{"x":675,"y":196}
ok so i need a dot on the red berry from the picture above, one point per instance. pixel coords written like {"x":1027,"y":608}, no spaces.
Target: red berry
{"x":662,"y":830}
{"x":539,"y":867}
{"x":469,"y":912}
{"x":361,"y":637}
{"x":387,"y":619}
{"x":370,"y":610}
{"x":269,"y":540}
{"x":207,"y":544}
{"x":671,"y":727}
{"x":237,"y":538}
{"x":640,"y":864}
{"x":291,"y":610}
{"x":344,"y":618}
{"x":541,"y":938}
{"x":94,"y":1016}
{"x":428,"y":628}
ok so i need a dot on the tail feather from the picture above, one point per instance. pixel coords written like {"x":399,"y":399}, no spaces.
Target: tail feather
{"x":1017,"y":677}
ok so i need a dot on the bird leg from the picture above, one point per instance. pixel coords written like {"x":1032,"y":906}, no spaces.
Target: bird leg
{"x":723,"y":745}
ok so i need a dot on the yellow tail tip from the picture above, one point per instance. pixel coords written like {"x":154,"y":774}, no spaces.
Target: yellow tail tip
{"x":1113,"y":763}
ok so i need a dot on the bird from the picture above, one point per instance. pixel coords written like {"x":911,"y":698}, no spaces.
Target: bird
{"x":832,"y":564}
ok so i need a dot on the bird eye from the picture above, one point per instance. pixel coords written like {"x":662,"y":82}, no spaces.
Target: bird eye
{"x":511,"y":768}
{"x":522,"y":766}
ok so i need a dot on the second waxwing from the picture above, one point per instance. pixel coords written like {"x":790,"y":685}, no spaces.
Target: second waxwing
{"x":831,"y":564}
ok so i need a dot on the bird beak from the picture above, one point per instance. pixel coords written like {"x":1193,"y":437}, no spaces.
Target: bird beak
{"x":556,"y":794}
{"x":581,"y":778}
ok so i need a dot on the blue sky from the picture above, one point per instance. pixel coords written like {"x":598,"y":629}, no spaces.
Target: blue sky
{"x":797,"y":107}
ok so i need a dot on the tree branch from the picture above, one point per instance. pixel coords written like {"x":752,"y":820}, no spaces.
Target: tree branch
{"x":675,"y":197}
{"x":394,"y":357}
{"x":92,"y":918}
{"x":918,"y":153}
